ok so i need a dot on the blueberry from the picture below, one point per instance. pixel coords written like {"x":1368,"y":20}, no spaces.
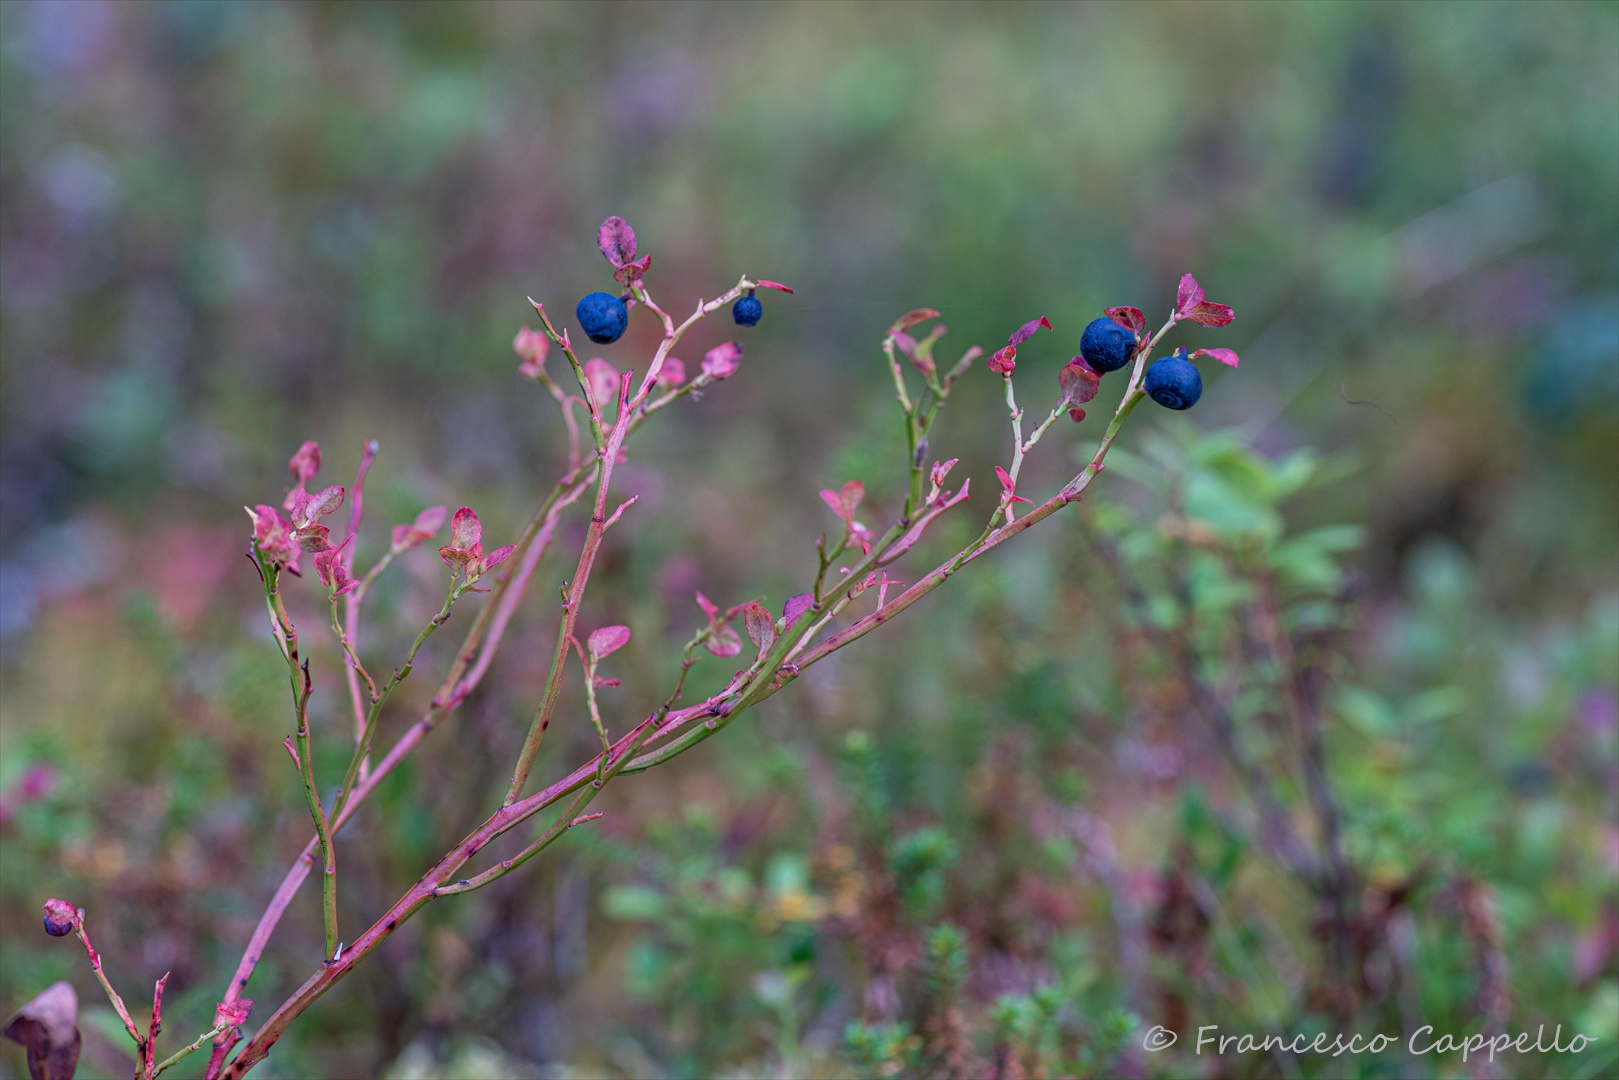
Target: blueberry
{"x":747,"y":310}
{"x":1174,"y":382}
{"x":603,"y":317}
{"x":56,"y":927}
{"x":1106,"y":346}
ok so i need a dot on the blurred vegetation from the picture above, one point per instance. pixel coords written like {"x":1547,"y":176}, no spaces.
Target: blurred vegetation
{"x":1011,"y":832}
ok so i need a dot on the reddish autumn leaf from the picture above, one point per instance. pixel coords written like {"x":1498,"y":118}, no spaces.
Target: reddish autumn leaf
{"x":616,"y":240}
{"x":1208,"y":314}
{"x":911,"y":318}
{"x":332,"y":571}
{"x":426,"y":524}
{"x":1027,"y":331}
{"x":673,"y":372}
{"x":1008,"y":486}
{"x":709,"y":608}
{"x":1078,"y":382}
{"x":633,"y":271}
{"x":1003,"y":361}
{"x":233,"y":1013}
{"x":1076,"y":415}
{"x":796,"y":606}
{"x":465,"y":529}
{"x":1227,"y":357}
{"x":723,"y":642}
{"x":761,"y":626}
{"x":305,"y":463}
{"x":607,"y":641}
{"x":601,"y":381}
{"x":778,"y":286}
{"x":1130,"y":318}
{"x":1189,"y":294}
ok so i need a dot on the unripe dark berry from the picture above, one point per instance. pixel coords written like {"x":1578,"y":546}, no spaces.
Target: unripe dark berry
{"x":747,"y":310}
{"x":59,"y":917}
{"x":1174,"y":382}
{"x":603,"y":317}
{"x":1106,"y":346}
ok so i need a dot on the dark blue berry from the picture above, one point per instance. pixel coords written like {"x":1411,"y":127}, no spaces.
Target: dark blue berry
{"x":1106,"y":346}
{"x":1174,"y":382}
{"x":747,"y":310}
{"x":58,"y":927}
{"x":603,"y":317}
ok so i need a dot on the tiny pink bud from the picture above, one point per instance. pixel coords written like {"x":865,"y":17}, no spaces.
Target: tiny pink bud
{"x":673,"y":372}
{"x":532,"y":347}
{"x":601,"y":381}
{"x":721,"y":361}
{"x":60,"y":917}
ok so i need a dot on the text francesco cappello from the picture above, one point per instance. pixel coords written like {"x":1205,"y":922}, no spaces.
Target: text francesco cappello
{"x":1425,"y":1040}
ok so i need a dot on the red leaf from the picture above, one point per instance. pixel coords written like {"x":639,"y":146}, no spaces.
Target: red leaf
{"x":832,"y":499}
{"x":760,"y":624}
{"x":616,"y":240}
{"x":1027,"y":331}
{"x":1225,"y":356}
{"x":910,"y":319}
{"x":851,"y":494}
{"x":608,"y":640}
{"x":796,"y":606}
{"x":1205,"y":313}
{"x":634,"y":271}
{"x":233,"y":1013}
{"x":1076,"y":415}
{"x":465,"y":529}
{"x":305,"y":463}
{"x":1003,"y":361}
{"x":673,"y":371}
{"x":498,"y":556}
{"x":1078,"y":382}
{"x":426,"y":524}
{"x":708,"y":608}
{"x":778,"y":286}
{"x":1189,"y":295}
{"x":1005,"y":479}
{"x":1128,"y":317}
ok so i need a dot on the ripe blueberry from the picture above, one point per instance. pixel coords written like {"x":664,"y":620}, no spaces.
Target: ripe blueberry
{"x":58,"y":927}
{"x":1106,"y":346}
{"x":603,"y":317}
{"x":746,"y":311}
{"x":1174,"y":382}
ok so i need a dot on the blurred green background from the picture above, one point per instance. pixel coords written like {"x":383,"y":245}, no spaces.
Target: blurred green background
{"x":992,"y":837}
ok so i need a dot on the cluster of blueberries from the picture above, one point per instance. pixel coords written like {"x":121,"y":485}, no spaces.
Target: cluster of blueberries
{"x":1172,"y":381}
{"x":604,"y":316}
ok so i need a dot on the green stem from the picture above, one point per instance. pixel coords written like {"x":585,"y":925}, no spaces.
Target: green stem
{"x":185,"y":1051}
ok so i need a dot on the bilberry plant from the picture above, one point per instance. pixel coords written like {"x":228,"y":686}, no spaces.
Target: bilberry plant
{"x":845,"y":595}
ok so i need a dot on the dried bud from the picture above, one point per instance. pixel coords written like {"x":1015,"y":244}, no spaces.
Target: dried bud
{"x":60,"y":917}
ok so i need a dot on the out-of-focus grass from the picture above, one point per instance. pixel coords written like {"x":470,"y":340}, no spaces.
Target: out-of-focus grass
{"x":226,"y":228}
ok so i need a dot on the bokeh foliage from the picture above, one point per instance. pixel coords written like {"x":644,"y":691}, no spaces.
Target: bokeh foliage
{"x":229,"y":227}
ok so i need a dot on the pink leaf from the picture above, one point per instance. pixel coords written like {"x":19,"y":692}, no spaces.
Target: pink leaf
{"x":454,"y":557}
{"x":723,"y":642}
{"x":761,"y":626}
{"x":1005,"y":478}
{"x":498,"y":556}
{"x":673,"y":372}
{"x":708,"y":608}
{"x":608,"y":640}
{"x":601,"y":380}
{"x":1189,"y":295}
{"x":1227,"y":357}
{"x":314,"y":538}
{"x":633,"y":271}
{"x":1027,"y":331}
{"x":1078,"y":382}
{"x":851,"y":494}
{"x":616,"y":240}
{"x":1130,"y":318}
{"x":831,"y":499}
{"x":233,"y":1013}
{"x":721,"y":361}
{"x":1205,"y":313}
{"x":465,"y":529}
{"x":603,"y":684}
{"x":911,"y":318}
{"x":1003,"y":361}
{"x":426,"y":524}
{"x":323,"y":502}
{"x":796,"y":606}
{"x":778,"y":286}
{"x":305,"y":463}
